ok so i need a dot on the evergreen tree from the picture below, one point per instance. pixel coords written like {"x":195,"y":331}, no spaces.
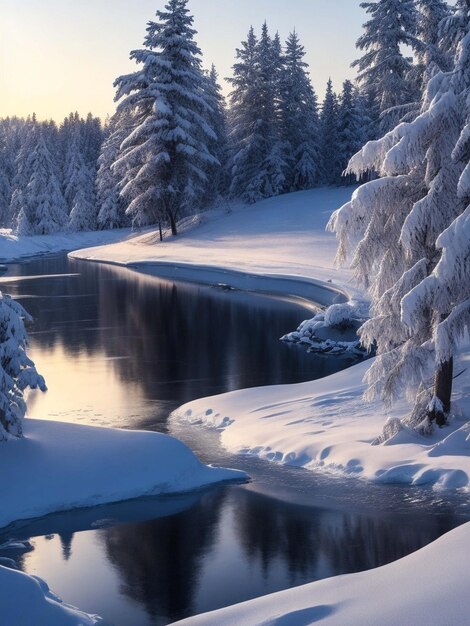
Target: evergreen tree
{"x":329,"y":138}
{"x":299,"y":118}
{"x":47,"y":209}
{"x":431,"y":56}
{"x":384,"y":72}
{"x":217,"y":183}
{"x":245,"y":132}
{"x":413,"y":229}
{"x":271,"y":174}
{"x":163,"y":164}
{"x":17,"y":371}
{"x":350,"y":126}
{"x":111,"y":206}
{"x":259,"y":160}
{"x":83,"y":204}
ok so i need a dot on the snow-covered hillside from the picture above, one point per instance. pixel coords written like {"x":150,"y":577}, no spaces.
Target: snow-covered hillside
{"x":283,"y":236}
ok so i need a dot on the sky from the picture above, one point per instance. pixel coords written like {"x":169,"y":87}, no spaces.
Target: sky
{"x":58,"y":56}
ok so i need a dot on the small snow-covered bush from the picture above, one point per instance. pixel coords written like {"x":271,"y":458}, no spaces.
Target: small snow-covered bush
{"x":17,"y":371}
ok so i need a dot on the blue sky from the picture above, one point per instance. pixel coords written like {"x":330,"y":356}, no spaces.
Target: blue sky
{"x":63,"y":55}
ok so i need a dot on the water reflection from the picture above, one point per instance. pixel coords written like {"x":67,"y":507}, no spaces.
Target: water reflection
{"x":157,"y":343}
{"x":203,"y":551}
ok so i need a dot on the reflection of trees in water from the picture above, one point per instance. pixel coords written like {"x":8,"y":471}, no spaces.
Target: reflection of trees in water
{"x":159,"y":561}
{"x":61,"y":307}
{"x":205,"y":341}
{"x":182,"y":341}
{"x":315,"y":543}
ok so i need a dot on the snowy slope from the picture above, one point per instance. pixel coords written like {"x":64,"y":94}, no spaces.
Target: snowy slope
{"x":27,"y":601}
{"x":427,"y":588}
{"x":282,"y":236}
{"x":59,"y":466}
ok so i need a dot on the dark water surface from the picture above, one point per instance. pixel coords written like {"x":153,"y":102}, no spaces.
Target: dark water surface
{"x":122,"y":349}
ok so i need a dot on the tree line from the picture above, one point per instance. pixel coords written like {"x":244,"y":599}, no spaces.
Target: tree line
{"x":174,"y":146}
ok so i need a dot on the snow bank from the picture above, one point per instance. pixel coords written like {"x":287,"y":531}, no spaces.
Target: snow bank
{"x":325,"y":425}
{"x":59,"y":466}
{"x":26,"y":600}
{"x":279,"y":237}
{"x":427,"y":588}
{"x":13,"y":247}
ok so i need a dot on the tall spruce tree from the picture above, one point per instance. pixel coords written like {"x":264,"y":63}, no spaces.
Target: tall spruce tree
{"x":350,"y":126}
{"x":432,"y":57}
{"x":165,"y":158}
{"x":329,"y":138}
{"x":384,"y":71}
{"x":217,"y":182}
{"x":299,"y":118}
{"x":413,"y":253}
{"x":110,"y":204}
{"x":245,"y":132}
{"x":47,"y":209}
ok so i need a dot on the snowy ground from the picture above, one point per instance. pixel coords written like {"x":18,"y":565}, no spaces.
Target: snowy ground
{"x":427,"y":588}
{"x":13,"y":248}
{"x":323,"y":425}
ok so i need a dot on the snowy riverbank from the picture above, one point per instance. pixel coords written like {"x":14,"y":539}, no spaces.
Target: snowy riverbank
{"x":14,"y":248}
{"x":58,"y":466}
{"x":282,"y":237}
{"x":427,"y":588}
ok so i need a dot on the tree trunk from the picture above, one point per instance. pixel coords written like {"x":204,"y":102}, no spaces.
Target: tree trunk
{"x":443,"y":391}
{"x":174,"y":230}
{"x":160,"y":230}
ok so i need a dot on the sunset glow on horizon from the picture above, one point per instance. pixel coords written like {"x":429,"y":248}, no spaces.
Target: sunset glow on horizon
{"x":59,"y":56}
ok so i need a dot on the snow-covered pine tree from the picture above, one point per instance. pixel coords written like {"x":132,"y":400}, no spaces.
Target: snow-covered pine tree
{"x":163,"y":164}
{"x":47,"y":208}
{"x":111,"y":206}
{"x":431,"y":56}
{"x":83,"y":212}
{"x":350,"y":126}
{"x":19,"y":199}
{"x":259,"y":160}
{"x":245,"y":133}
{"x":299,"y":118}
{"x":17,"y":371}
{"x":329,"y":138}
{"x":5,"y":189}
{"x":79,"y":185}
{"x":383,"y":69}
{"x":413,"y":253}
{"x":91,"y":139}
{"x":271,"y":173}
{"x":217,"y":183}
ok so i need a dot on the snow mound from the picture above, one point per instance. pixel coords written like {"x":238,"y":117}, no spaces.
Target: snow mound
{"x":325,"y":425}
{"x":408,"y":591}
{"x":26,"y":600}
{"x":59,"y":466}
{"x":333,"y":331}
